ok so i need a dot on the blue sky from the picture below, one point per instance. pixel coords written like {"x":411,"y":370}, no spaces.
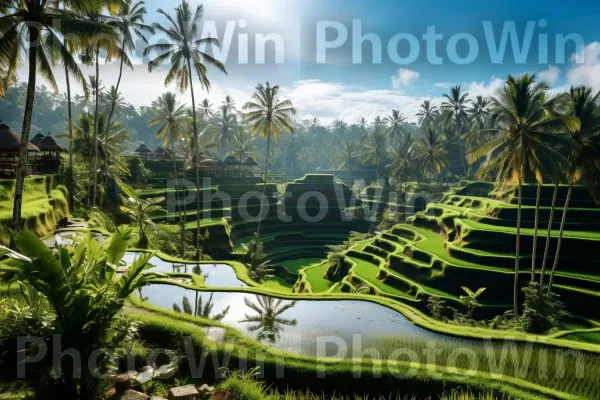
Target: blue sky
{"x":341,"y":89}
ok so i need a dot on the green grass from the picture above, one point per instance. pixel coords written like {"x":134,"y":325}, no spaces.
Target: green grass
{"x":294,"y":266}
{"x":315,"y":277}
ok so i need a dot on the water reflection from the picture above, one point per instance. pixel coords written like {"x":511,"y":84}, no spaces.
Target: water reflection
{"x":267,"y":321}
{"x":199,"y":309}
{"x":216,"y":275}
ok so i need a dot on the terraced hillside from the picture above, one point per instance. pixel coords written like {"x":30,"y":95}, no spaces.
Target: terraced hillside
{"x":468,"y":238}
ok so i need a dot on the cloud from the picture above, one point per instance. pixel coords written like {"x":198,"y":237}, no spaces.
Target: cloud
{"x":332,"y":100}
{"x":482,"y":88}
{"x":404,"y":77}
{"x":551,"y":75}
{"x":587,"y":73}
{"x":444,"y":85}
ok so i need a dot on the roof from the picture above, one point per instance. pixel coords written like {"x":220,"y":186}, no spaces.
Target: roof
{"x":250,"y":162}
{"x":48,"y":143}
{"x":231,"y":160}
{"x":212,"y":162}
{"x":143,"y":149}
{"x":160,"y":150}
{"x":10,"y":141}
{"x":37,"y":139}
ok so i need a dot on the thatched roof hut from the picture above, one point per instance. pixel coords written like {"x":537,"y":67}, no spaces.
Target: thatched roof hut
{"x":37,"y":139}
{"x":50,"y":144}
{"x":232,"y":161}
{"x":212,"y":163}
{"x":250,"y":162}
{"x":143,"y":149}
{"x":10,"y":142}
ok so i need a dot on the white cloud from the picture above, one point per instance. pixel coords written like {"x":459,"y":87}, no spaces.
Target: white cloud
{"x":331,"y":100}
{"x":482,"y":88}
{"x":444,"y":85}
{"x":587,"y":73}
{"x":404,"y":77}
{"x":550,"y":75}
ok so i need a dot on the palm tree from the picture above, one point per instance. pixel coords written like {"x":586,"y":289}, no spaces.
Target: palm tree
{"x":129,"y":19}
{"x":455,"y":120}
{"x":29,"y":25}
{"x":200,"y":309}
{"x":268,"y":321}
{"x":396,"y":123}
{"x":206,"y":113}
{"x":403,"y":160}
{"x":116,"y":101}
{"x":172,"y":119}
{"x":346,"y":156}
{"x":429,"y":152}
{"x":183,"y":51}
{"x":225,"y":123}
{"x":268,"y":116}
{"x":375,"y":150}
{"x":141,"y":211}
{"x":427,"y":114}
{"x":244,"y":146}
{"x":470,"y":300}
{"x":479,"y":112}
{"x":584,"y":155}
{"x":525,"y":141}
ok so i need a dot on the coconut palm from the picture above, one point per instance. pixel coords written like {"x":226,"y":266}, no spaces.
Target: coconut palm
{"x":268,"y":115}
{"x":403,"y":160}
{"x":205,"y":110}
{"x":374,"y":150}
{"x":346,"y":157}
{"x":268,"y":322}
{"x":141,"y":211}
{"x":184,"y":50}
{"x":396,"y":122}
{"x":200,"y":309}
{"x":525,"y":142}
{"x":455,"y":121}
{"x":171,"y":116}
{"x":29,"y":26}
{"x":244,"y":145}
{"x":584,"y":155}
{"x":128,"y":22}
{"x":225,"y":121}
{"x":427,"y":114}
{"x":430,"y":153}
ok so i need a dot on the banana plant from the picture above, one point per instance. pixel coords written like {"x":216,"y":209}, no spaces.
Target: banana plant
{"x":84,"y":290}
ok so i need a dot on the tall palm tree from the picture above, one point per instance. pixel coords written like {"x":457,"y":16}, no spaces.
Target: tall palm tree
{"x":206,"y":112}
{"x":346,"y":157}
{"x":455,"y":120}
{"x":584,"y":155}
{"x":130,"y":19}
{"x":225,"y":122}
{"x":403,"y":160}
{"x":244,"y":145}
{"x":184,"y":50}
{"x":268,"y":116}
{"x":429,"y":152}
{"x":396,"y":123}
{"x":374,"y":150}
{"x":479,"y":112}
{"x":171,"y":116}
{"x":427,"y":114}
{"x":114,"y":98}
{"x":29,"y":26}
{"x":525,"y":142}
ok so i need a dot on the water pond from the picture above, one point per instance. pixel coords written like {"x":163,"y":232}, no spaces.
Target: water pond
{"x":215,"y":275}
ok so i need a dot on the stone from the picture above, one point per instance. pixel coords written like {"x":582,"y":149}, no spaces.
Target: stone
{"x":205,"y":390}
{"x":221,"y":395}
{"x":133,"y":395}
{"x":183,"y":393}
{"x":123,"y":381}
{"x":110,"y":393}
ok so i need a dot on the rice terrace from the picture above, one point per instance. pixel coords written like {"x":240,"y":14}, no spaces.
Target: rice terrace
{"x":344,"y":200}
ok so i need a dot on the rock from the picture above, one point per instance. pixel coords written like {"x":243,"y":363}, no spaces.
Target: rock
{"x":133,"y":395}
{"x":123,"y":381}
{"x":205,"y":390}
{"x":183,"y":393}
{"x":221,"y":395}
{"x":110,"y":393}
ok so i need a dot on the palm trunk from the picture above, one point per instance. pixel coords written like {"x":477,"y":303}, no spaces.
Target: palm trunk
{"x":95,"y":164}
{"x":71,"y":179}
{"x":550,"y":222}
{"x":113,"y":103}
{"x":195,"y":158}
{"x":560,"y":234}
{"x":177,"y":196}
{"x":517,"y":253}
{"x":22,"y":170}
{"x":262,"y":200}
{"x":535,"y":231}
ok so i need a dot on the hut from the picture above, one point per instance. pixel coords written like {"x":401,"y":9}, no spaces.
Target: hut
{"x":250,"y":163}
{"x":233,"y":164}
{"x":144,"y":152}
{"x":10,"y":147}
{"x":49,"y":162}
{"x":37,"y":138}
{"x":163,"y":154}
